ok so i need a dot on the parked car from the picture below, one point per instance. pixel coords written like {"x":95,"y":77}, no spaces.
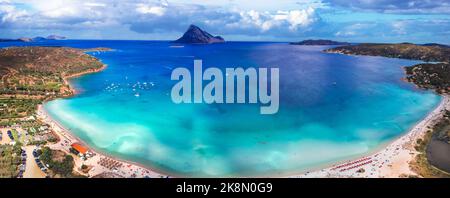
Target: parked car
{"x":10,"y":135}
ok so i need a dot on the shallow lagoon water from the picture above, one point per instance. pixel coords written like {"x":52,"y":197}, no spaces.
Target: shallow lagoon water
{"x":332,"y":107}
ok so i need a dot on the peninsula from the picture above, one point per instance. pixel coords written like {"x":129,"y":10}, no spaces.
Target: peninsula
{"x":435,"y":74}
{"x":32,"y":144}
{"x":30,"y":76}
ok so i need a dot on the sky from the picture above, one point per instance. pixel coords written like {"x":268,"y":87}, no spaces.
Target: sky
{"x":417,"y":21}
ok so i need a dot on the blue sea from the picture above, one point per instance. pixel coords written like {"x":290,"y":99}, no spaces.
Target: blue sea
{"x":333,"y":107}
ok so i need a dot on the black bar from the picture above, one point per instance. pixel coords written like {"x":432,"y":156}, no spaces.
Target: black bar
{"x":325,"y":187}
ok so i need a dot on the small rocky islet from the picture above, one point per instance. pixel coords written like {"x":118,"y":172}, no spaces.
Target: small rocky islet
{"x":195,"y":35}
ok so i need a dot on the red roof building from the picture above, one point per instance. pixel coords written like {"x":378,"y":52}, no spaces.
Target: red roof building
{"x":80,"y":148}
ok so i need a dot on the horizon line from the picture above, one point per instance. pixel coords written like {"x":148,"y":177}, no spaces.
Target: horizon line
{"x":249,"y":41}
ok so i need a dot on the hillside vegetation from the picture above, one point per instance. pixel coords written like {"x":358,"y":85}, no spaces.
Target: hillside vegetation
{"x":30,"y":75}
{"x":433,"y":75}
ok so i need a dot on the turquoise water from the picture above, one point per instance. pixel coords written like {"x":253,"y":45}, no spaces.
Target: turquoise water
{"x":332,"y":107}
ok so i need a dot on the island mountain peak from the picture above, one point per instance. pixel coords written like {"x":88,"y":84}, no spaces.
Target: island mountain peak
{"x":196,"y":35}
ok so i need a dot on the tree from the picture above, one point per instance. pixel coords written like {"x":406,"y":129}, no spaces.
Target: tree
{"x":17,"y":149}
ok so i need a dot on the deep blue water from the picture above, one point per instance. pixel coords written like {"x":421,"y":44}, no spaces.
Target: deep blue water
{"x":332,"y":107}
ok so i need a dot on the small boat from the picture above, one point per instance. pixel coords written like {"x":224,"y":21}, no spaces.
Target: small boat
{"x":137,"y":94}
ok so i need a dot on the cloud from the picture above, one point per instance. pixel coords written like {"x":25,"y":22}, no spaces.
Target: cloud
{"x":284,"y":21}
{"x":93,"y":4}
{"x":56,"y":15}
{"x":399,"y":27}
{"x":355,"y":29}
{"x":416,"y":31}
{"x":298,"y":18}
{"x":9,"y":13}
{"x":144,"y":17}
{"x":146,"y":9}
{"x":160,"y":18}
{"x":167,"y":19}
{"x":397,"y":6}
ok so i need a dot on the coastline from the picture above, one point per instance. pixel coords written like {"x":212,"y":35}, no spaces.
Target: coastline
{"x":390,"y":159}
{"x":128,"y":168}
{"x":67,"y":78}
{"x":66,"y":138}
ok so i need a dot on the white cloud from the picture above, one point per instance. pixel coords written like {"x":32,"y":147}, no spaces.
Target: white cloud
{"x":297,"y":18}
{"x":93,"y":4}
{"x":399,"y":6}
{"x":399,"y":27}
{"x":143,"y":16}
{"x":9,"y":14}
{"x":61,"y":12}
{"x":354,"y":29}
{"x":264,"y":21}
{"x":345,"y":33}
{"x":147,"y":9}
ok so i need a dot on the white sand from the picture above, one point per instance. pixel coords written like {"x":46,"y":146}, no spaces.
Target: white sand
{"x":127,"y":169}
{"x":391,"y":161}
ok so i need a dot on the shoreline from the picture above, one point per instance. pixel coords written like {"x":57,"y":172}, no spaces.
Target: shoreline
{"x":67,"y":78}
{"x":66,"y":135}
{"x":389,"y":159}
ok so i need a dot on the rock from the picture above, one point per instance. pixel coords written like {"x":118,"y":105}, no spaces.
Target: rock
{"x":195,"y":35}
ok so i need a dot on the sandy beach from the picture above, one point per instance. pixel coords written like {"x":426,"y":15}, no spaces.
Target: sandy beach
{"x":391,"y":161}
{"x":100,"y":165}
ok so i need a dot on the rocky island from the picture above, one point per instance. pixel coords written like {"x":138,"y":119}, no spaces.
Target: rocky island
{"x":35,"y":39}
{"x":319,"y":42}
{"x":195,"y":35}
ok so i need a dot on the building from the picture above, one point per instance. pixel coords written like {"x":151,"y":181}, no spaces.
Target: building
{"x":79,"y":148}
